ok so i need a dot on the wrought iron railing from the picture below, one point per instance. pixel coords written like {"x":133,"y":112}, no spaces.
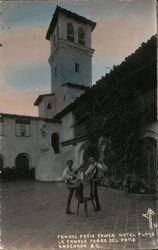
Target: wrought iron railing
{"x":147,"y":99}
{"x":80,"y":130}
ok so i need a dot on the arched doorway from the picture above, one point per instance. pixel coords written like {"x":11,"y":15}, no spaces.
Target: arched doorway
{"x":22,"y":161}
{"x":1,"y":163}
{"x":148,"y":158}
{"x":55,"y":143}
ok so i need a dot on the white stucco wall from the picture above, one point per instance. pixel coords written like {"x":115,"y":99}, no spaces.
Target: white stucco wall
{"x":67,"y":129}
{"x":64,"y":61}
{"x":50,"y":166}
{"x":42,"y":108}
{"x":62,"y":24}
{"x":12,"y":145}
{"x":64,"y":54}
{"x":72,"y":93}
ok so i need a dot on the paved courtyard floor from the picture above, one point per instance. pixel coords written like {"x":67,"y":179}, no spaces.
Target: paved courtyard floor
{"x":33,"y":218}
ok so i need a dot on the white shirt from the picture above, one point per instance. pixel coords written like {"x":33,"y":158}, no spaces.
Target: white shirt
{"x":92,"y":167}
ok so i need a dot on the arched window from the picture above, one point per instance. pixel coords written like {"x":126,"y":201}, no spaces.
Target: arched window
{"x":70,"y":32}
{"x":49,"y":106}
{"x":148,"y":159}
{"x":22,"y":161}
{"x":55,"y":143}
{"x":81,"y":36}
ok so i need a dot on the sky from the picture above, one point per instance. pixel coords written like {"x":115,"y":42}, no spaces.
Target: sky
{"x":122,"y":25}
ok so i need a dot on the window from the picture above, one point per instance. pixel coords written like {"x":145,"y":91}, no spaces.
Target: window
{"x":76,"y":67}
{"x":81,"y":36}
{"x":1,"y":126}
{"x":22,"y":127}
{"x":70,"y":32}
{"x":49,"y":106}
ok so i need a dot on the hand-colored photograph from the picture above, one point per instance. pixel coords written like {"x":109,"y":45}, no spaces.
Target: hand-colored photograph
{"x":78,"y":125}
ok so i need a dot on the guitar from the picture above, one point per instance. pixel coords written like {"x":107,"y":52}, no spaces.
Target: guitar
{"x":77,"y":175}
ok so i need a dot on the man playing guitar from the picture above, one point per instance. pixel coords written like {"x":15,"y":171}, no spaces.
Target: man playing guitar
{"x":73,"y":183}
{"x":95,"y":172}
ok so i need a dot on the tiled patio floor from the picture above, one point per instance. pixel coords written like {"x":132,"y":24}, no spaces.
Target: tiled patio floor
{"x":33,"y":216}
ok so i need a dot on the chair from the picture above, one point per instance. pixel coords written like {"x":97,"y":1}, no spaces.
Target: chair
{"x":85,"y":201}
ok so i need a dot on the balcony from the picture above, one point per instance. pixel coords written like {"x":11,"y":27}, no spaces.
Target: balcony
{"x":80,"y":134}
{"x":80,"y":130}
{"x":147,"y":107}
{"x":147,"y":99}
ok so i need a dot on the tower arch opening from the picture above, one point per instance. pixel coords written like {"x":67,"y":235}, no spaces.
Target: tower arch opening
{"x":81,"y":36}
{"x":70,"y":32}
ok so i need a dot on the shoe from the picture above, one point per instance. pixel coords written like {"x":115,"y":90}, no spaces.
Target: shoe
{"x":69,"y":212}
{"x":97,"y":209}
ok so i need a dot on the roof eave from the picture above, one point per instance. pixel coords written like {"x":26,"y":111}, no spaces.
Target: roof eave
{"x":68,"y":13}
{"x":40,"y":97}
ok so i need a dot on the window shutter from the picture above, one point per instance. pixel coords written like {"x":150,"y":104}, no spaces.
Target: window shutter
{"x":17,"y":129}
{"x":1,"y":128}
{"x":27,"y":129}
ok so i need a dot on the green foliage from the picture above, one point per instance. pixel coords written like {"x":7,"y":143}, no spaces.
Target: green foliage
{"x":130,"y":184}
{"x":114,"y":109}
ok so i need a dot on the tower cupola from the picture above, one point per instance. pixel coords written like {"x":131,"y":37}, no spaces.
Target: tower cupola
{"x":70,"y":49}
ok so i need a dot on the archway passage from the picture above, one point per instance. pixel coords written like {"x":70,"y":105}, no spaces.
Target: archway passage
{"x":22,"y":167}
{"x":148,"y":162}
{"x":55,"y":143}
{"x":22,"y":162}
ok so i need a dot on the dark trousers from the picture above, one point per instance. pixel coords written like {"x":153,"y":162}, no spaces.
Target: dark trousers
{"x":94,"y":192}
{"x":79,"y":194}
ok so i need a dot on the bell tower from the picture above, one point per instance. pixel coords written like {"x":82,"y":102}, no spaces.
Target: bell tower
{"x":70,"y":49}
{"x":70,"y":61}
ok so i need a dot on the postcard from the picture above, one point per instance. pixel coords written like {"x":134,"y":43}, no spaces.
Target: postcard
{"x":78,"y":124}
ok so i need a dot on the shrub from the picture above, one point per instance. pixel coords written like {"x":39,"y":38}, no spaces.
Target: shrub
{"x":16,"y":173}
{"x":130,"y":184}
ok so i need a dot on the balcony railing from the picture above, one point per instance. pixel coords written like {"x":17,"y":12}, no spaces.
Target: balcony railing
{"x":81,"y":130}
{"x":147,"y":99}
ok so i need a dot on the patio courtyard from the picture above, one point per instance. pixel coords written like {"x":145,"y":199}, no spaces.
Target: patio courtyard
{"x":33,"y":217}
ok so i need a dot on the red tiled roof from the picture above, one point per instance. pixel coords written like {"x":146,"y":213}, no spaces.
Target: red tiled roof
{"x":14,"y":116}
{"x":66,"y":110}
{"x":40,"y":97}
{"x":69,"y":14}
{"x":74,"y":85}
